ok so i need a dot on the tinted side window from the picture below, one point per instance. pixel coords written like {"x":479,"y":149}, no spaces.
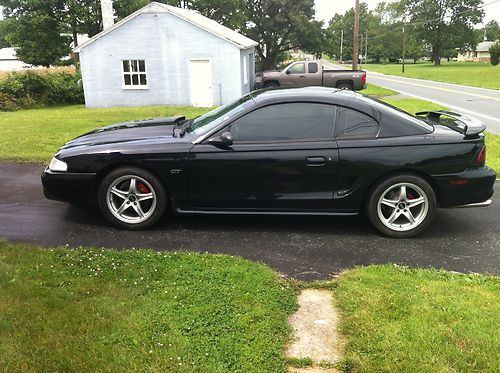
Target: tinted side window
{"x":352,"y":123}
{"x":298,"y":68}
{"x":291,"y":121}
{"x":312,"y":67}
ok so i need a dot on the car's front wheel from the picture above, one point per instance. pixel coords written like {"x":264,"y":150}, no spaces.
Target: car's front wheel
{"x":402,"y":206}
{"x":132,"y":198}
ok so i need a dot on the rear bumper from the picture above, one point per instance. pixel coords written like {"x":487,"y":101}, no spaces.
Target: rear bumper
{"x":472,"y":186}
{"x":77,"y":188}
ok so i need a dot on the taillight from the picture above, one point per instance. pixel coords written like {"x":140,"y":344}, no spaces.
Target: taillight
{"x":363,"y":79}
{"x":481,"y":157}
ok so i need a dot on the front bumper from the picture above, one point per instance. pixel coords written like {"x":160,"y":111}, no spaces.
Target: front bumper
{"x":472,"y":186}
{"x":79,"y":188}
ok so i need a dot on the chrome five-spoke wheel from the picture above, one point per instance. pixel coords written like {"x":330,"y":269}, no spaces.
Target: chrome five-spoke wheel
{"x":132,"y":198}
{"x":402,"y":205}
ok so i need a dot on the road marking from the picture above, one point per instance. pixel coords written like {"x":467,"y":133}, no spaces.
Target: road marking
{"x":439,"y":88}
{"x":451,"y":107}
{"x":455,"y":85}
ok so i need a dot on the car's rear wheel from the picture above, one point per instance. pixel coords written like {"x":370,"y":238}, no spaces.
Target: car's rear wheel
{"x":402,"y":206}
{"x":132,"y":198}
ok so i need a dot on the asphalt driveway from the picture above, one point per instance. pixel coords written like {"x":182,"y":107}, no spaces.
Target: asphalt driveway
{"x":464,"y":240}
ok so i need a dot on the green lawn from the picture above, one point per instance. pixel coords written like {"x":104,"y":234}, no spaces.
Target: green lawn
{"x":404,"y":320}
{"x":86,"y":310}
{"x":376,"y":91}
{"x":35,"y":135}
{"x":82,"y":309}
{"x":467,"y":73}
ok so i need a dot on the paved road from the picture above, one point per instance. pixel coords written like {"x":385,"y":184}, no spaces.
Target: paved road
{"x":480,"y":102}
{"x":465,"y":240}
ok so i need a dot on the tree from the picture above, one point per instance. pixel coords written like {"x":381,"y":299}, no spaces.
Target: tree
{"x":495,"y":54}
{"x":445,"y":24}
{"x":46,"y":45}
{"x":4,"y":27}
{"x":492,"y":30}
{"x":42,"y":30}
{"x":227,"y":12}
{"x":279,"y":26}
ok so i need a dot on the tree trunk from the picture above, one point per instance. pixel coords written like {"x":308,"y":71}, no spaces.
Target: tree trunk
{"x":269,"y":61}
{"x":435,"y":56}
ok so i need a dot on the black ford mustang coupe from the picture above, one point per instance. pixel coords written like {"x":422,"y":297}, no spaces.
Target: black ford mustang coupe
{"x":313,"y":150}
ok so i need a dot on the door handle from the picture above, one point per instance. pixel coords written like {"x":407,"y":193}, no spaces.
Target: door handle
{"x":315,"y":161}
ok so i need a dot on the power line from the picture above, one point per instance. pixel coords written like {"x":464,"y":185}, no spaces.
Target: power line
{"x":420,"y":23}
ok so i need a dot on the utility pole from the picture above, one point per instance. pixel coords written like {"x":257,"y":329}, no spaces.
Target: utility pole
{"x":355,"y":41}
{"x":404,"y":44}
{"x":341,"y":46}
{"x":366,"y":48}
{"x":361,"y":52}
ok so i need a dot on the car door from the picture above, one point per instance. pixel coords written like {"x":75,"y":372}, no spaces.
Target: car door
{"x":295,"y":75}
{"x":283,"y":158}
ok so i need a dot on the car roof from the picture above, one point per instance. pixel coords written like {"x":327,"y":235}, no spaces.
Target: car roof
{"x":391,"y":120}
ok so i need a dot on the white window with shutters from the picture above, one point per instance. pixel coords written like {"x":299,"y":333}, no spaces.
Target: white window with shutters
{"x":134,"y":74}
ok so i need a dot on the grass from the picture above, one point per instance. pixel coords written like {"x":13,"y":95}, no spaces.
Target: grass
{"x":104,"y":310}
{"x":376,"y":91}
{"x":404,"y":320}
{"x":493,"y":152}
{"x":85,"y":309}
{"x":467,"y":73}
{"x":35,"y":135}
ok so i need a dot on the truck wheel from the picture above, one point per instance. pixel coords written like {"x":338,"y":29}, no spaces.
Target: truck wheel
{"x":271,"y":85}
{"x":346,"y":86}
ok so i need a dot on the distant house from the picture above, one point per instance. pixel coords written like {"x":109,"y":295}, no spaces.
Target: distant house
{"x":480,"y":54}
{"x":163,"y":55}
{"x":9,"y":60}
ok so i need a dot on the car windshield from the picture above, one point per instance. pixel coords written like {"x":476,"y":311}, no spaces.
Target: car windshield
{"x":206,"y":122}
{"x":404,"y":114}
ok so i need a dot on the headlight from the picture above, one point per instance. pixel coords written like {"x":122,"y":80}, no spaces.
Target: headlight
{"x":258,"y":79}
{"x":57,"y":165}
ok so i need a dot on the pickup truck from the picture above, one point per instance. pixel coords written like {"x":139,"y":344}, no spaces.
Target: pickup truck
{"x":310,"y":73}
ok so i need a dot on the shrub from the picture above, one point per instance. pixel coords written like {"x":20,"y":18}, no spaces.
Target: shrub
{"x":32,"y":89}
{"x":495,"y":54}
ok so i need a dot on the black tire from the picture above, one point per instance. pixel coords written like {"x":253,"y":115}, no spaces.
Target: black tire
{"x":271,"y":85}
{"x":415,"y":188}
{"x":144,"y":179}
{"x":345,"y":86}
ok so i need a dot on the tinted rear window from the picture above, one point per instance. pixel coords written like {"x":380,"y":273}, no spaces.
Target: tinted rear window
{"x":352,"y":123}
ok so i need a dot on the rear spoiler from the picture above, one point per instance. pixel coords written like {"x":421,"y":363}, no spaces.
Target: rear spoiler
{"x":467,"y":125}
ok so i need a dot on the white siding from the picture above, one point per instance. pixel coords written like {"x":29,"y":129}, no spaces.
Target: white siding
{"x":167,"y":43}
{"x":247,"y":61}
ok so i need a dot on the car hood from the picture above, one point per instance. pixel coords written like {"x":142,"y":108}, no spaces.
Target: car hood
{"x":128,"y":131}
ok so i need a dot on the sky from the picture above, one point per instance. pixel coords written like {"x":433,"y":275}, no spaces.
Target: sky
{"x":326,"y":9}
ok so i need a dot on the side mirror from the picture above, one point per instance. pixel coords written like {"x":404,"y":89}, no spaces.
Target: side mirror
{"x":225,"y":139}
{"x":287,"y":72}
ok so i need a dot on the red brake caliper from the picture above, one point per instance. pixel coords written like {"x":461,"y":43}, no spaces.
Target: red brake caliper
{"x":143,"y":188}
